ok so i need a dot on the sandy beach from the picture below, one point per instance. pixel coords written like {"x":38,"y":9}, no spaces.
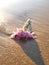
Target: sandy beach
{"x":30,"y":52}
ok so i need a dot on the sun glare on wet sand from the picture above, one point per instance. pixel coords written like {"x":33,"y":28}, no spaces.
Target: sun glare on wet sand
{"x":6,"y":3}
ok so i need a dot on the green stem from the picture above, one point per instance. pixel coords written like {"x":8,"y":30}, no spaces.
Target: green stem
{"x":25,"y":27}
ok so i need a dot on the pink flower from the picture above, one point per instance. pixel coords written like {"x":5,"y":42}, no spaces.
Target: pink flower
{"x":22,"y":34}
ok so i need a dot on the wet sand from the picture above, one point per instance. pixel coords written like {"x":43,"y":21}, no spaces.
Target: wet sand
{"x":30,"y":52}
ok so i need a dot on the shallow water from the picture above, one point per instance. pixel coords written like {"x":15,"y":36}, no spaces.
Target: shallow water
{"x":19,"y":11}
{"x":16,"y":7}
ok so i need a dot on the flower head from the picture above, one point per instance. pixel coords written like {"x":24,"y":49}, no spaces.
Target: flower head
{"x":22,"y":34}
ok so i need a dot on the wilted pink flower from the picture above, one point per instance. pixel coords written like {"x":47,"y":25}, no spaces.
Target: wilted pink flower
{"x":22,"y":34}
